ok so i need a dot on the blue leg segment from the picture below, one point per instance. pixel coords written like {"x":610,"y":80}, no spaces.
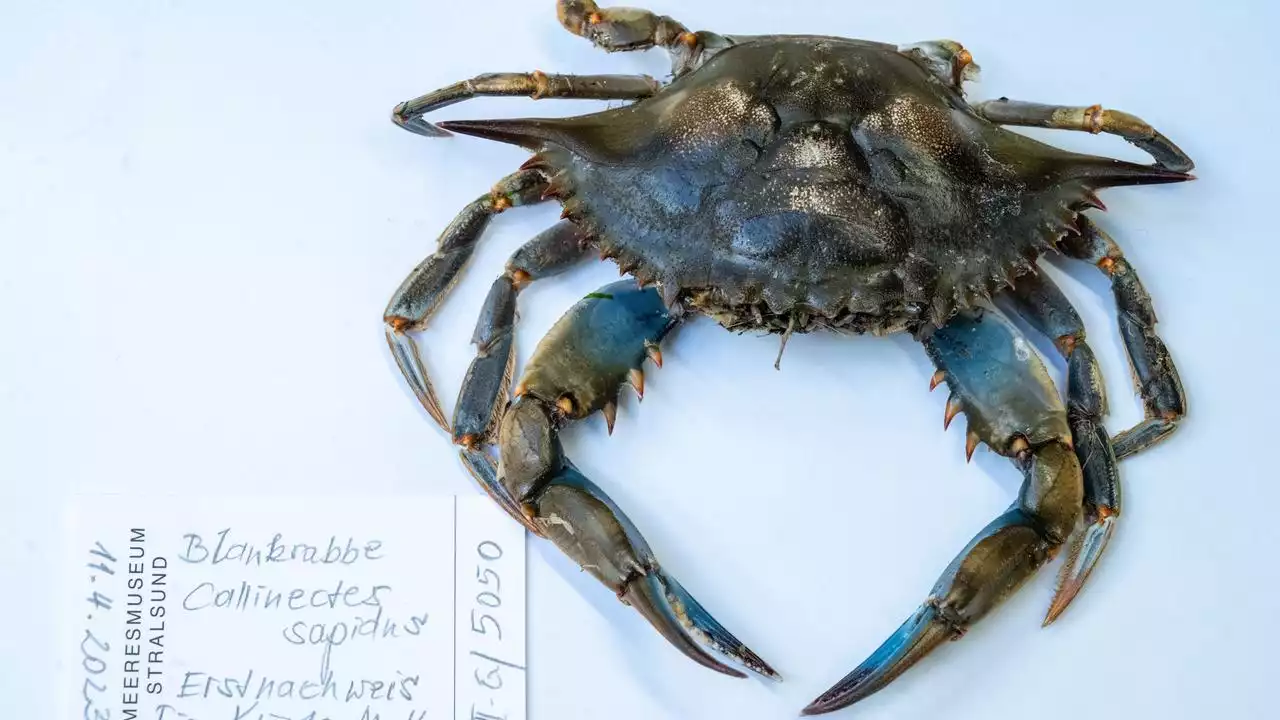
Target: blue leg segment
{"x":1163,"y":399}
{"x":425,"y":289}
{"x":484,"y":391}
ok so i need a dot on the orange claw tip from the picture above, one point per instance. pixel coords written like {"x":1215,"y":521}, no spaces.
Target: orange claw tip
{"x":953,"y":409}
{"x":610,"y":411}
{"x":1065,"y":595}
{"x":1087,"y":545}
{"x":637,"y":381}
{"x":655,"y":354}
{"x":970,"y":445}
{"x":937,"y":379}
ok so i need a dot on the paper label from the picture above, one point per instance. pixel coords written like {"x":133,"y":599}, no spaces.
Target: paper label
{"x":293,"y":609}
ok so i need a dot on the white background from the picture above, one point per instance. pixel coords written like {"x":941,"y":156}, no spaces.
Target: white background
{"x":204,"y":209}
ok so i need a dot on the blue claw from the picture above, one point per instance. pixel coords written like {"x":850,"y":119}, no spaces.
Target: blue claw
{"x":1085,"y":549}
{"x":998,"y":559}
{"x":576,"y":370}
{"x":683,"y":610}
{"x":921,"y":633}
{"x":585,"y":523}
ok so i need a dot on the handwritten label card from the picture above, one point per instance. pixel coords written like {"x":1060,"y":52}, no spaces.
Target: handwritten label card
{"x":293,"y":609}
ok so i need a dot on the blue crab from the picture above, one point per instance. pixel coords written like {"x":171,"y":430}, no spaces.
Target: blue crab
{"x":794,"y":184}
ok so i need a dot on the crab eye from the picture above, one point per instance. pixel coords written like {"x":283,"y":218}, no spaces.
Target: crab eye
{"x":946,"y":60}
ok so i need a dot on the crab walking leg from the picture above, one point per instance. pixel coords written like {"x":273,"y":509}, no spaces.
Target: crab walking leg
{"x":1094,"y":119}
{"x":1011,"y":404}
{"x":624,"y":28}
{"x":1154,"y":373}
{"x":488,"y":379}
{"x":1043,"y":305}
{"x":577,"y":370}
{"x":536,"y":85}
{"x":421,"y":293}
{"x":484,"y":392}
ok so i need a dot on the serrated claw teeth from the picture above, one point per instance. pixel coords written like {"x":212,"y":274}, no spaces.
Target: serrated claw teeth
{"x":1084,"y":549}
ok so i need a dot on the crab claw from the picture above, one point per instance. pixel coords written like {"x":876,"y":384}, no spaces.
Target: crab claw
{"x":1004,"y":389}
{"x":403,"y":117}
{"x":995,"y":563}
{"x":576,"y":371}
{"x":583,"y":522}
{"x":1084,"y":551}
{"x":921,"y":633}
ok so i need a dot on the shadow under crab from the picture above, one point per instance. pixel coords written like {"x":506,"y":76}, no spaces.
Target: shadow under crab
{"x":794,"y":184}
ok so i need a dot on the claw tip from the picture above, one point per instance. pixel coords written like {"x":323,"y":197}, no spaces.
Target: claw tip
{"x":815,"y":708}
{"x":1055,"y":609}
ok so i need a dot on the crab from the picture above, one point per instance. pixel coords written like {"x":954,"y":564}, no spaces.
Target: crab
{"x":795,"y":184}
